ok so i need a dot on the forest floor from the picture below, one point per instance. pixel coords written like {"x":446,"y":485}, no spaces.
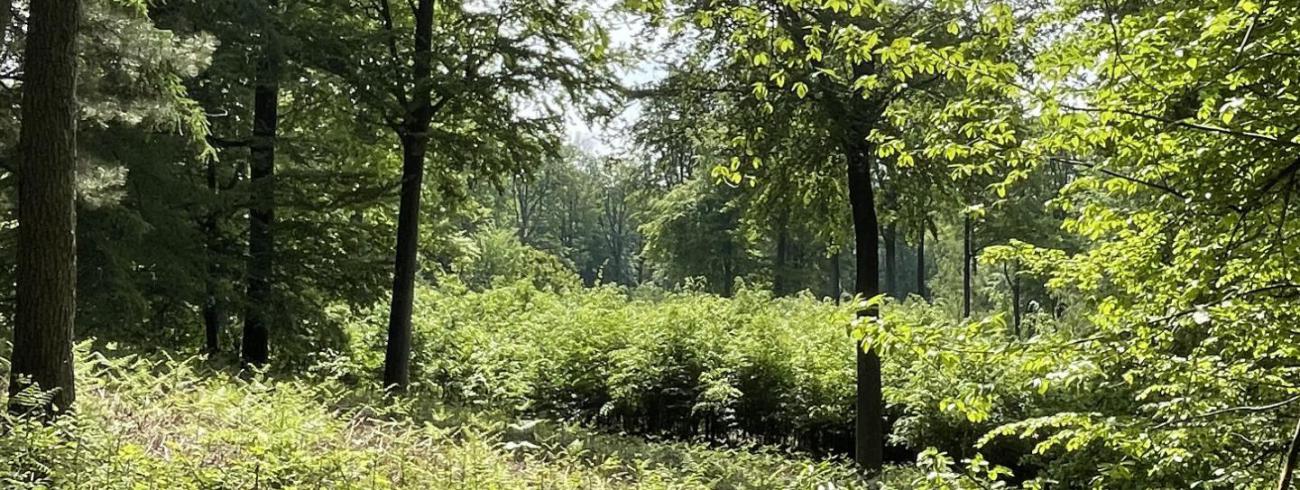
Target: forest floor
{"x":180,"y":425}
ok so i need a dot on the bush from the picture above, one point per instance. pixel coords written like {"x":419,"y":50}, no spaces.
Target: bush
{"x":497,"y":257}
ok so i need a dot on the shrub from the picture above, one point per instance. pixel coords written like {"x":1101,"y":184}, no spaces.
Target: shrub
{"x":497,"y":257}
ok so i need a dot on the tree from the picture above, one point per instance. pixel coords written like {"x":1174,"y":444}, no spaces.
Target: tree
{"x":46,"y":274}
{"x":255,"y":348}
{"x":850,"y":63}
{"x":465,"y":92}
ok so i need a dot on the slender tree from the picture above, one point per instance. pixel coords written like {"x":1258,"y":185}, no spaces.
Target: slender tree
{"x":261,"y":213}
{"x":869,"y":436}
{"x":967,"y":266}
{"x":46,"y":274}
{"x":921,"y":289}
{"x":891,"y":261}
{"x":213,"y":315}
{"x":413,"y":133}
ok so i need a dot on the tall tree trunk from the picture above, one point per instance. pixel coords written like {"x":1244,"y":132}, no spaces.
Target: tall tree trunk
{"x":47,"y":272}
{"x":523,"y":213}
{"x":921,"y":289}
{"x":780,"y":267}
{"x":837,"y":283}
{"x":260,"y":303}
{"x":1289,"y":460}
{"x":891,"y":262}
{"x":966,"y":264}
{"x":1016,"y":313}
{"x":415,"y":141}
{"x":213,"y":316}
{"x":398,"y":355}
{"x":869,"y":434}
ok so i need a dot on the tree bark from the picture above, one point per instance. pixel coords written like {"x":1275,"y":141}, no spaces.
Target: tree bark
{"x":891,"y":262}
{"x":213,"y":316}
{"x":46,"y":268}
{"x":920,"y":263}
{"x":260,"y":304}
{"x":966,"y":264}
{"x":869,"y":437}
{"x":397,"y":356}
{"x":780,"y":266}
{"x":1016,"y":314}
{"x":837,"y":288}
{"x":1290,"y":459}
{"x":415,"y":141}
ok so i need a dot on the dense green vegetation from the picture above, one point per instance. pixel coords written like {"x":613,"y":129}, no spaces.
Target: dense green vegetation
{"x":822,"y":244}
{"x":173,"y":424}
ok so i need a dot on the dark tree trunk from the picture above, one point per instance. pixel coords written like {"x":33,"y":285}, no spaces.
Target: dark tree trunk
{"x":869,"y":434}
{"x":837,"y":288}
{"x":260,"y":303}
{"x":615,"y":210}
{"x":524,"y":211}
{"x":966,"y":263}
{"x":781,"y":266}
{"x":727,"y":270}
{"x":1016,"y":314}
{"x":397,"y":357}
{"x":891,"y":262}
{"x":1289,"y":460}
{"x":213,"y":316}
{"x":921,"y":289}
{"x":47,"y":272}
{"x":415,"y":140}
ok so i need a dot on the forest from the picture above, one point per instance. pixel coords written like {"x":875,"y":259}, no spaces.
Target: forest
{"x":652,"y":244}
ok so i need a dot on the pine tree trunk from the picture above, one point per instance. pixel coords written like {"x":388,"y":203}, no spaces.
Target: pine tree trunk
{"x":415,"y":141}
{"x":869,"y":434}
{"x":47,"y":272}
{"x":260,"y":303}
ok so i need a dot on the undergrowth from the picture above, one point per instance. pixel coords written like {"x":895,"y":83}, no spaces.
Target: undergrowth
{"x":170,"y":424}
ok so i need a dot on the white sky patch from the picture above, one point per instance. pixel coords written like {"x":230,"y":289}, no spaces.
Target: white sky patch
{"x":650,"y":59}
